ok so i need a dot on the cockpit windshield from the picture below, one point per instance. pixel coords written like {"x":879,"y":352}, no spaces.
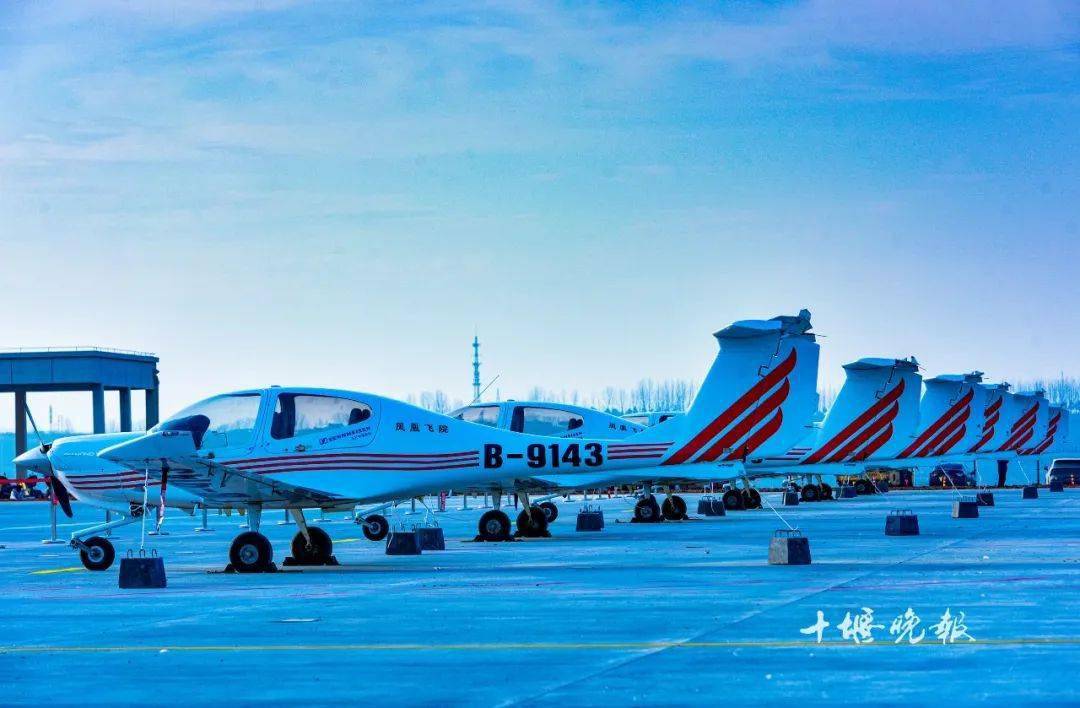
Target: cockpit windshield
{"x":221,"y":421}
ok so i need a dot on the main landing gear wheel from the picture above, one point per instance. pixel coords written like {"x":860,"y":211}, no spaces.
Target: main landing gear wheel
{"x":810,"y":493}
{"x":674,"y":508}
{"x":733,"y":500}
{"x":551,"y":512}
{"x":647,"y":511}
{"x":98,"y":553}
{"x":863,"y":486}
{"x":251,"y":552}
{"x":751,"y":498}
{"x":375,"y":527}
{"x":318,"y":553}
{"x":532,"y":522}
{"x":826,"y":492}
{"x":495,"y":526}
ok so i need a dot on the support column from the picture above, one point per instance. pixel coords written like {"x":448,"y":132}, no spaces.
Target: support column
{"x":20,"y":426}
{"x":151,"y":407}
{"x":98,"y":393}
{"x":125,"y":410}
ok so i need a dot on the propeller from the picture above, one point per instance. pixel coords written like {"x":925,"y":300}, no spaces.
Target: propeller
{"x":59,"y":491}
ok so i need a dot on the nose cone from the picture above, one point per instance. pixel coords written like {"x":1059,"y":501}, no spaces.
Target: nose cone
{"x":34,"y":460}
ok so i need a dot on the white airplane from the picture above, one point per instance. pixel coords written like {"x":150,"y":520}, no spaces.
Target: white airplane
{"x":297,"y":448}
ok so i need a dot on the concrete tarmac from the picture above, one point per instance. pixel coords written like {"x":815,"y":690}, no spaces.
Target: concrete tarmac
{"x":670,"y":614}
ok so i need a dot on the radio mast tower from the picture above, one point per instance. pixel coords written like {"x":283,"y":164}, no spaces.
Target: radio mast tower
{"x":476,"y":368}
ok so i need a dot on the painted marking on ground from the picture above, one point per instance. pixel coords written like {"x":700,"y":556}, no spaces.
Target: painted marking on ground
{"x":53,"y":571}
{"x":526,"y":646}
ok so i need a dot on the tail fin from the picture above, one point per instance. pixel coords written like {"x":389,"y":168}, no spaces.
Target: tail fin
{"x":1026,"y":423}
{"x":951,"y":414}
{"x":1057,"y":430}
{"x":758,"y":396}
{"x":874,"y":413}
{"x":998,"y":415}
{"x":1040,"y":427}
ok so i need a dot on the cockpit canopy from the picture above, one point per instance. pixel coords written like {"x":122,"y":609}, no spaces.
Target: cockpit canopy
{"x":232,"y":420}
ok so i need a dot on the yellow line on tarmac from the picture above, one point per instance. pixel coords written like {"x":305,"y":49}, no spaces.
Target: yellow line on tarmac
{"x":51,"y":571}
{"x":525,"y":646}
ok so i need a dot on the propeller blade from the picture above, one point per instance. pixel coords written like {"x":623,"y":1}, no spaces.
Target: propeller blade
{"x":61,"y":494}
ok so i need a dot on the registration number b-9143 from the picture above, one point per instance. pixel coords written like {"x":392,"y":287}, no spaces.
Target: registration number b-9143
{"x":538,"y":455}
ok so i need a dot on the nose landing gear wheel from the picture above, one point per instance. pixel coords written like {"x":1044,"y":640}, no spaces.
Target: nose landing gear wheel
{"x":674,"y":508}
{"x":318,"y":553}
{"x":733,"y":501}
{"x":494,"y":526}
{"x":532,"y":523}
{"x":98,"y":554}
{"x":375,"y":527}
{"x":251,"y":552}
{"x":751,"y":498}
{"x":810,"y":493}
{"x":826,"y":492}
{"x":551,"y":512}
{"x":863,"y":487}
{"x":647,"y":511}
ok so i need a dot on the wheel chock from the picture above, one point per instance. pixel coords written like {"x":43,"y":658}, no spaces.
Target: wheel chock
{"x":901,"y":522}
{"x":1057,"y":486}
{"x":1031,"y":491}
{"x":589,"y":519}
{"x":711,"y":506}
{"x":791,"y":498}
{"x":789,"y":548}
{"x":431,"y":538}
{"x":403,"y":543}
{"x":965,"y":509}
{"x":984,"y":498}
{"x":142,"y":571}
{"x":847,"y":491}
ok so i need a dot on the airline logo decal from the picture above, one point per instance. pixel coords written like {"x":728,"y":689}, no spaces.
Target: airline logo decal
{"x":863,"y":436}
{"x":1021,"y":431}
{"x":992,"y":415}
{"x":736,"y":436}
{"x":946,"y":431}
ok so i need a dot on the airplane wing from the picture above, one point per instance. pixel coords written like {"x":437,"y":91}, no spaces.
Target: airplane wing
{"x":218,"y":484}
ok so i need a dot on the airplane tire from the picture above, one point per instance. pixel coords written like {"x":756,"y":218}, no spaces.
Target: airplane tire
{"x":532,"y":522}
{"x":863,"y":487}
{"x":810,"y":493}
{"x":647,"y":511}
{"x":251,"y":552}
{"x":494,"y":526}
{"x":551,"y":511}
{"x":318,"y":553}
{"x":752,"y":498}
{"x":375,"y":527}
{"x":733,"y":500}
{"x":674,"y":508}
{"x":826,"y":492}
{"x":99,"y":553}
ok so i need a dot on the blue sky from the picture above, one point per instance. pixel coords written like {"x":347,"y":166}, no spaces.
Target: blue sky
{"x":333,"y":194}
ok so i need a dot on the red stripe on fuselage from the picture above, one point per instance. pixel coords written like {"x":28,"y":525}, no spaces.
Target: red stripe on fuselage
{"x":870,"y":430}
{"x":733,"y":411}
{"x":744,"y":426}
{"x":759,"y":437}
{"x":920,"y":442}
{"x":856,"y":425}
